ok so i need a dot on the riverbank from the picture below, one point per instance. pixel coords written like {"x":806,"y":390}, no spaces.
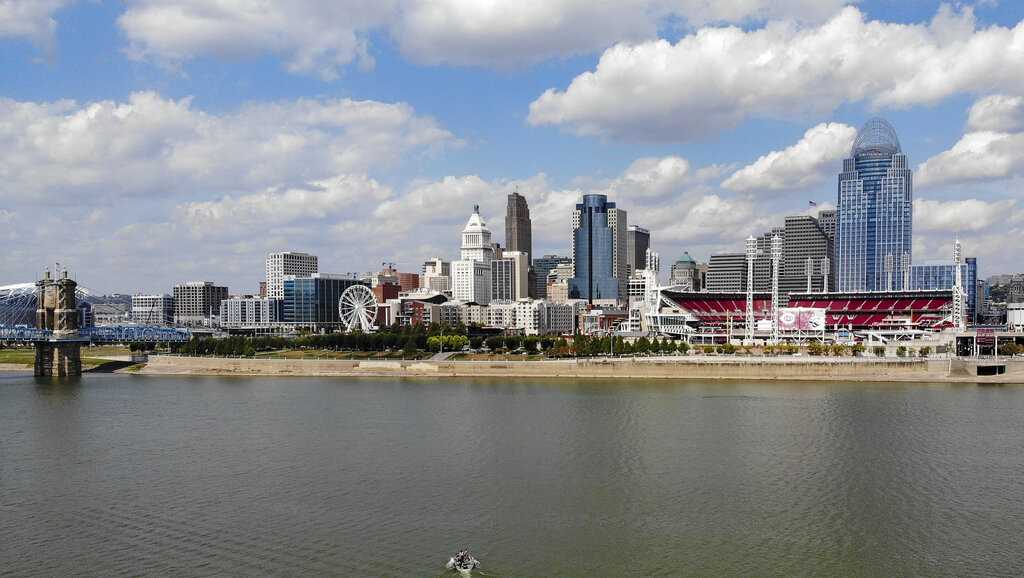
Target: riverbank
{"x":689,"y":367}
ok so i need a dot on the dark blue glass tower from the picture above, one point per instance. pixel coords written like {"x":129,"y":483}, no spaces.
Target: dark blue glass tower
{"x":875,"y":212}
{"x":593,"y":251}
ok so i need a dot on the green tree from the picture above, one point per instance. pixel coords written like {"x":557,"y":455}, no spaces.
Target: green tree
{"x":924,"y":351}
{"x":643,"y":346}
{"x":879,"y":351}
{"x":411,"y":348}
{"x":901,"y":351}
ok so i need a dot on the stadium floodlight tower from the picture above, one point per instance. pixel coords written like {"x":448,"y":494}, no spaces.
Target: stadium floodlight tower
{"x":776,"y":259}
{"x":752,"y":253}
{"x":825,"y":269}
{"x":958,"y":288}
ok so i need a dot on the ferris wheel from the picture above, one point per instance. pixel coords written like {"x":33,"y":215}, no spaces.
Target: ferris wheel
{"x":358,"y":308}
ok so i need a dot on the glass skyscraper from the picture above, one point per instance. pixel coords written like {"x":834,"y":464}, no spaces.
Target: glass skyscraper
{"x":943,"y":275}
{"x":875,"y":213}
{"x":594,"y":247}
{"x":313,"y":301}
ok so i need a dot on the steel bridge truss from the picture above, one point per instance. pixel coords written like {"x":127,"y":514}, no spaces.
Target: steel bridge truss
{"x":101,"y":334}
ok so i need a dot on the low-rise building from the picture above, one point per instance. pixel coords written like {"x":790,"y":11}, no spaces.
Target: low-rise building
{"x":152,"y":309}
{"x":113,"y":313}
{"x":251,"y":312}
{"x":502,"y":314}
{"x":561,"y":318}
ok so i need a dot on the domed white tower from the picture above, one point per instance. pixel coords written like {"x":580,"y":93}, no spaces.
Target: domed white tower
{"x":476,"y":239}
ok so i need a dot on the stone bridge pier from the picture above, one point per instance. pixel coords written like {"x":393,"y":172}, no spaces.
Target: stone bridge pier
{"x":57,"y":311}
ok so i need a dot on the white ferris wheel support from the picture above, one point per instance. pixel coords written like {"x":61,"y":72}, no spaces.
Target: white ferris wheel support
{"x":357,"y":308}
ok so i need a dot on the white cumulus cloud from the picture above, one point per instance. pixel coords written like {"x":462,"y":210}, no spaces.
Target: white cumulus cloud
{"x":323,"y":36}
{"x":312,"y":36}
{"x":83,"y":152}
{"x":949,"y":217}
{"x":485,"y":32}
{"x":799,"y":166}
{"x":997,"y":113}
{"x":991,"y":149}
{"x":30,"y":19}
{"x":652,"y":177}
{"x":716,"y":77}
{"x":312,"y":203}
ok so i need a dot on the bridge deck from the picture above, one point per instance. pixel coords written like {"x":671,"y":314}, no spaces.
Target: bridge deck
{"x":100,"y":334}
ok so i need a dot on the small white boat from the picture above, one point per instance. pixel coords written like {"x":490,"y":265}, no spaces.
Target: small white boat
{"x":464,"y":562}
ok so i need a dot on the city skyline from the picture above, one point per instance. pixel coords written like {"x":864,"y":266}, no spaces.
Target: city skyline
{"x":144,"y":157}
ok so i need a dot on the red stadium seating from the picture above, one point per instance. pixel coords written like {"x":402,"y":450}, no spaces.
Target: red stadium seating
{"x":925,"y":309}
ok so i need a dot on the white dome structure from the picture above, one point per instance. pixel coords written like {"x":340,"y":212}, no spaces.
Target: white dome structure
{"x":876,"y":137}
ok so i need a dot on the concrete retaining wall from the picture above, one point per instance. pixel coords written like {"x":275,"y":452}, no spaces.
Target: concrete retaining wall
{"x":846,"y":369}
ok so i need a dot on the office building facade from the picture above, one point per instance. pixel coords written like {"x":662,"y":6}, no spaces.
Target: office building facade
{"x":471,"y":281}
{"x":598,"y":250}
{"x":510,"y":277}
{"x":476,"y":239}
{"x":943,"y":275}
{"x":518,"y":227}
{"x":436,"y":275}
{"x":471,"y":275}
{"x":152,"y":309}
{"x":287,"y":263}
{"x":804,"y":238}
{"x":638,"y":241}
{"x":875,"y":213}
{"x":198,"y":302}
{"x":409,"y":281}
{"x":727,"y":272}
{"x":541,"y":267}
{"x":685,"y":273}
{"x":251,"y":312}
{"x":312,"y":302}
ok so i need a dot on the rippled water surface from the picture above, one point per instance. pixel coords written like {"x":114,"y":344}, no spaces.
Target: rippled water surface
{"x":129,"y":475}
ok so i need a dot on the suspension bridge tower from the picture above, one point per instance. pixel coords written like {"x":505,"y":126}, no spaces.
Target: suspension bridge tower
{"x":57,"y":311}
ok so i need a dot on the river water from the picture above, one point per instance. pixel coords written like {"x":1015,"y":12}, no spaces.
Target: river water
{"x":117,"y":475}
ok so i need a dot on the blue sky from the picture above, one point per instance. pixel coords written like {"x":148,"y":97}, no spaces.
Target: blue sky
{"x":155,"y":141}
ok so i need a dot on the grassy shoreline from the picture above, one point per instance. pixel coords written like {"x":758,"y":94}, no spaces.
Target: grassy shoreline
{"x":93,"y":358}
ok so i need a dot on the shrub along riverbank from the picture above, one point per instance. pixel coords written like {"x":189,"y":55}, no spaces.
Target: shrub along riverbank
{"x":419,"y":341}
